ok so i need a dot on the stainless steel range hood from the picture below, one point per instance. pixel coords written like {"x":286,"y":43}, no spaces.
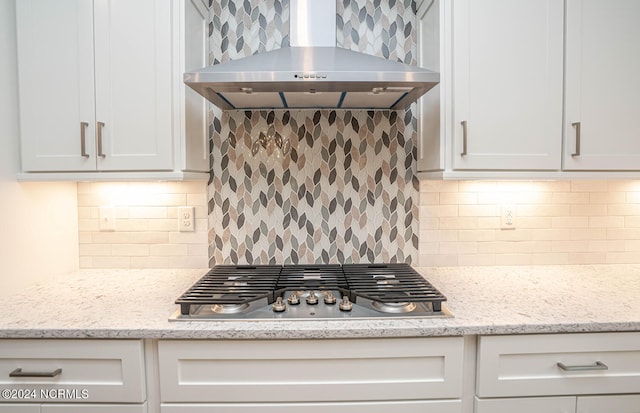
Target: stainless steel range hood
{"x":313,"y":73}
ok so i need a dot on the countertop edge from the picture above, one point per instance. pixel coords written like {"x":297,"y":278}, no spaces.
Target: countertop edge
{"x":319,"y":333}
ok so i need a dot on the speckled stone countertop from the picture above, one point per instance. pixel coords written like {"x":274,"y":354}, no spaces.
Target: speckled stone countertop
{"x":484,"y":300}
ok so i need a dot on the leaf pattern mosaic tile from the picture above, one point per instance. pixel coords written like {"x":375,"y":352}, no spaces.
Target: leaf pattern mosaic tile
{"x":346,"y":190}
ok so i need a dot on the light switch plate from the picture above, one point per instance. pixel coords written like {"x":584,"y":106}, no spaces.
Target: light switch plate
{"x":107,"y":218}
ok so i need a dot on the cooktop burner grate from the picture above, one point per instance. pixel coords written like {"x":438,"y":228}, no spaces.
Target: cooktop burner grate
{"x":311,"y":277}
{"x":231,"y":285}
{"x":391,"y":283}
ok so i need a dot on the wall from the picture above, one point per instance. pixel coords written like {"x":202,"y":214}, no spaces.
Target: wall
{"x":559,"y":222}
{"x":347,"y":191}
{"x":39,"y":237}
{"x":146,"y":225}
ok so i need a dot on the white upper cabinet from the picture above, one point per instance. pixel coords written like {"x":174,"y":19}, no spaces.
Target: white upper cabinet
{"x":530,"y":89}
{"x":507,"y":84}
{"x":499,"y":104}
{"x":56,"y":84}
{"x":602,"y":129}
{"x":101,"y":88}
{"x":133,"y":84}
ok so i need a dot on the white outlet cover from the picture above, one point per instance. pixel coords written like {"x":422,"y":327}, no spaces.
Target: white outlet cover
{"x":186,"y":219}
{"x":508,"y":217}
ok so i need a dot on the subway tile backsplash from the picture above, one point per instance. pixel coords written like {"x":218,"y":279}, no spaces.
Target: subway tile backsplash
{"x":557,"y":222}
{"x":146,"y":225}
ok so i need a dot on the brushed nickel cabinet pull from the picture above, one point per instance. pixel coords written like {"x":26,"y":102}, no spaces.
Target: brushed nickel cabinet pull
{"x":100,"y":126}
{"x":83,"y":142}
{"x":597,"y":366}
{"x":464,"y":138}
{"x":20,"y":373}
{"x":577,"y":126}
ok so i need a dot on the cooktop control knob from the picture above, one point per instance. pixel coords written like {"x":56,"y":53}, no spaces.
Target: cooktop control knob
{"x":293,"y":299}
{"x":312,"y":298}
{"x":329,"y":298}
{"x":345,"y":304}
{"x":279,"y":306}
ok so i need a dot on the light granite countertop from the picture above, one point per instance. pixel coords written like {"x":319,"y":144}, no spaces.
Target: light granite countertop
{"x":484,"y":300}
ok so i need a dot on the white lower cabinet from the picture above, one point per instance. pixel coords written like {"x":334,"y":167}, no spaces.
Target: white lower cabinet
{"x":567,"y":404}
{"x":372,"y":375}
{"x":97,"y":408}
{"x":576,"y":373}
{"x":71,"y":408}
{"x":608,"y":404}
{"x":450,"y":406}
{"x":527,"y":405}
{"x":68,"y":376}
{"x":17,"y":408}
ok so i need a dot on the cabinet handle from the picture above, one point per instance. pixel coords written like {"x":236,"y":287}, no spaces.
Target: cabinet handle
{"x":20,"y":373}
{"x":464,"y":138}
{"x":577,"y":126}
{"x":597,"y":366}
{"x":100,"y":126}
{"x":83,"y":146}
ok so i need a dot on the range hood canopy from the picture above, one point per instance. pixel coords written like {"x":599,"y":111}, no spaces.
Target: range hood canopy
{"x":312,"y":73}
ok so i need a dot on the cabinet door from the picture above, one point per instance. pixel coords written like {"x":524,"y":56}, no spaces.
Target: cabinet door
{"x":602,"y":85}
{"x":607,"y":404}
{"x":527,"y":405}
{"x":507,"y":81}
{"x":16,"y":408}
{"x":430,"y":107}
{"x":133,"y":84}
{"x":194,"y":108}
{"x":94,"y":408}
{"x":414,"y":406}
{"x":55,"y":62}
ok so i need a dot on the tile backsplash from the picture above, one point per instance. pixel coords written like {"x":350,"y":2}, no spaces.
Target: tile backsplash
{"x":346,"y":192}
{"x":557,"y":222}
{"x":146,"y":225}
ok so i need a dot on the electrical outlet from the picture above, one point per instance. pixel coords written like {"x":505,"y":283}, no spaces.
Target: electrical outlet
{"x":508,"y":217}
{"x":107,"y":219}
{"x":186,"y":219}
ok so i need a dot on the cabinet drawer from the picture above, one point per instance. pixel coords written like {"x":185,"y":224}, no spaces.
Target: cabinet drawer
{"x":419,"y":406}
{"x":565,"y":404}
{"x":558,"y":364}
{"x":84,"y":371}
{"x":310,"y":370}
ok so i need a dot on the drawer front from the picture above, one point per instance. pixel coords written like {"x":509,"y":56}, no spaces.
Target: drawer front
{"x":558,"y":364}
{"x":420,"y":406}
{"x":608,"y":404}
{"x":306,"y":370}
{"x":565,"y":404}
{"x":83,"y":371}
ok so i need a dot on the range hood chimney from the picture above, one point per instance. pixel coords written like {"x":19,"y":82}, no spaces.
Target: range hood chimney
{"x":313,"y":73}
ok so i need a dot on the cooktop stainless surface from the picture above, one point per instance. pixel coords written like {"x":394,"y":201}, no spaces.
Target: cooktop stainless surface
{"x":304,"y":292}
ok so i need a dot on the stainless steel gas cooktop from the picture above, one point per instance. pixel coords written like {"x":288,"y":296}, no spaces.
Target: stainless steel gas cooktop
{"x":304,"y":292}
